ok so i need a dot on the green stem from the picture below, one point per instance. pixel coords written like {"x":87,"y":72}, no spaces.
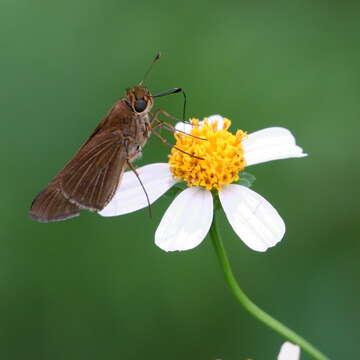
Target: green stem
{"x":250,"y":306}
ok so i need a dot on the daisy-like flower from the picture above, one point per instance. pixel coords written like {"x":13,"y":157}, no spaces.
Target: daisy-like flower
{"x":218,"y":158}
{"x":289,"y":351}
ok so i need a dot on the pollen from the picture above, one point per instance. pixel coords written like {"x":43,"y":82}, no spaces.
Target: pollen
{"x":208,"y":157}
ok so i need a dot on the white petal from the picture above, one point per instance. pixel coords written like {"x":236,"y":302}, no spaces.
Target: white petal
{"x":289,"y":351}
{"x":270,"y":144}
{"x":187,"y":220}
{"x":184,"y":127}
{"x":252,"y":217}
{"x":217,"y":118}
{"x":130,"y":196}
{"x":187,"y":128}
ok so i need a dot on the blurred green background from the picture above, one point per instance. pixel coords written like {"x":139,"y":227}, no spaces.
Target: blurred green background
{"x":98,"y":288}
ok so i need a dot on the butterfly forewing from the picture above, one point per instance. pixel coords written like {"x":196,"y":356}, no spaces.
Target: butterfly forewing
{"x":91,"y":178}
{"x":88,"y":181}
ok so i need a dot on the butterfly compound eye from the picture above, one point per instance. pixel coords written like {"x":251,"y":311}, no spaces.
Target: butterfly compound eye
{"x":140,"y":105}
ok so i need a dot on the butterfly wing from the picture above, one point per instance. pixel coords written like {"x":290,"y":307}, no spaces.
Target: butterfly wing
{"x":51,"y":205}
{"x":88,"y":181}
{"x":91,"y":178}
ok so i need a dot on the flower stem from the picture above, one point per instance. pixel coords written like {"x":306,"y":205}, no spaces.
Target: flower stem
{"x":250,"y":306}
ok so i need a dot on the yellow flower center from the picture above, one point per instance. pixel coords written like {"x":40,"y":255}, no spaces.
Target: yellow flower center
{"x":221,"y":153}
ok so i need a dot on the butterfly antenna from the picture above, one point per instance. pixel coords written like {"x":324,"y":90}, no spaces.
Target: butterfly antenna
{"x":156,"y":58}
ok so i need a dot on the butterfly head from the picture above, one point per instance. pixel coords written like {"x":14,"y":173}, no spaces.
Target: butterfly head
{"x":139,"y":99}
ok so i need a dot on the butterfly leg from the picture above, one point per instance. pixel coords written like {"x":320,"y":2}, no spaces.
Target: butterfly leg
{"x":164,"y":141}
{"x":155,"y":117}
{"x":133,"y":169}
{"x":172,"y":128}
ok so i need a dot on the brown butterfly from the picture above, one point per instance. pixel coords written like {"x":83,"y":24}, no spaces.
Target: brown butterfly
{"x":90,"y":179}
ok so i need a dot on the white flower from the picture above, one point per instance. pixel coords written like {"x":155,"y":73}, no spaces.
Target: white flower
{"x":289,"y":351}
{"x":223,"y":155}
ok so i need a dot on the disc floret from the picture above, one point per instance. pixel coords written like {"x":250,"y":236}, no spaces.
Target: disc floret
{"x":216,"y":155}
